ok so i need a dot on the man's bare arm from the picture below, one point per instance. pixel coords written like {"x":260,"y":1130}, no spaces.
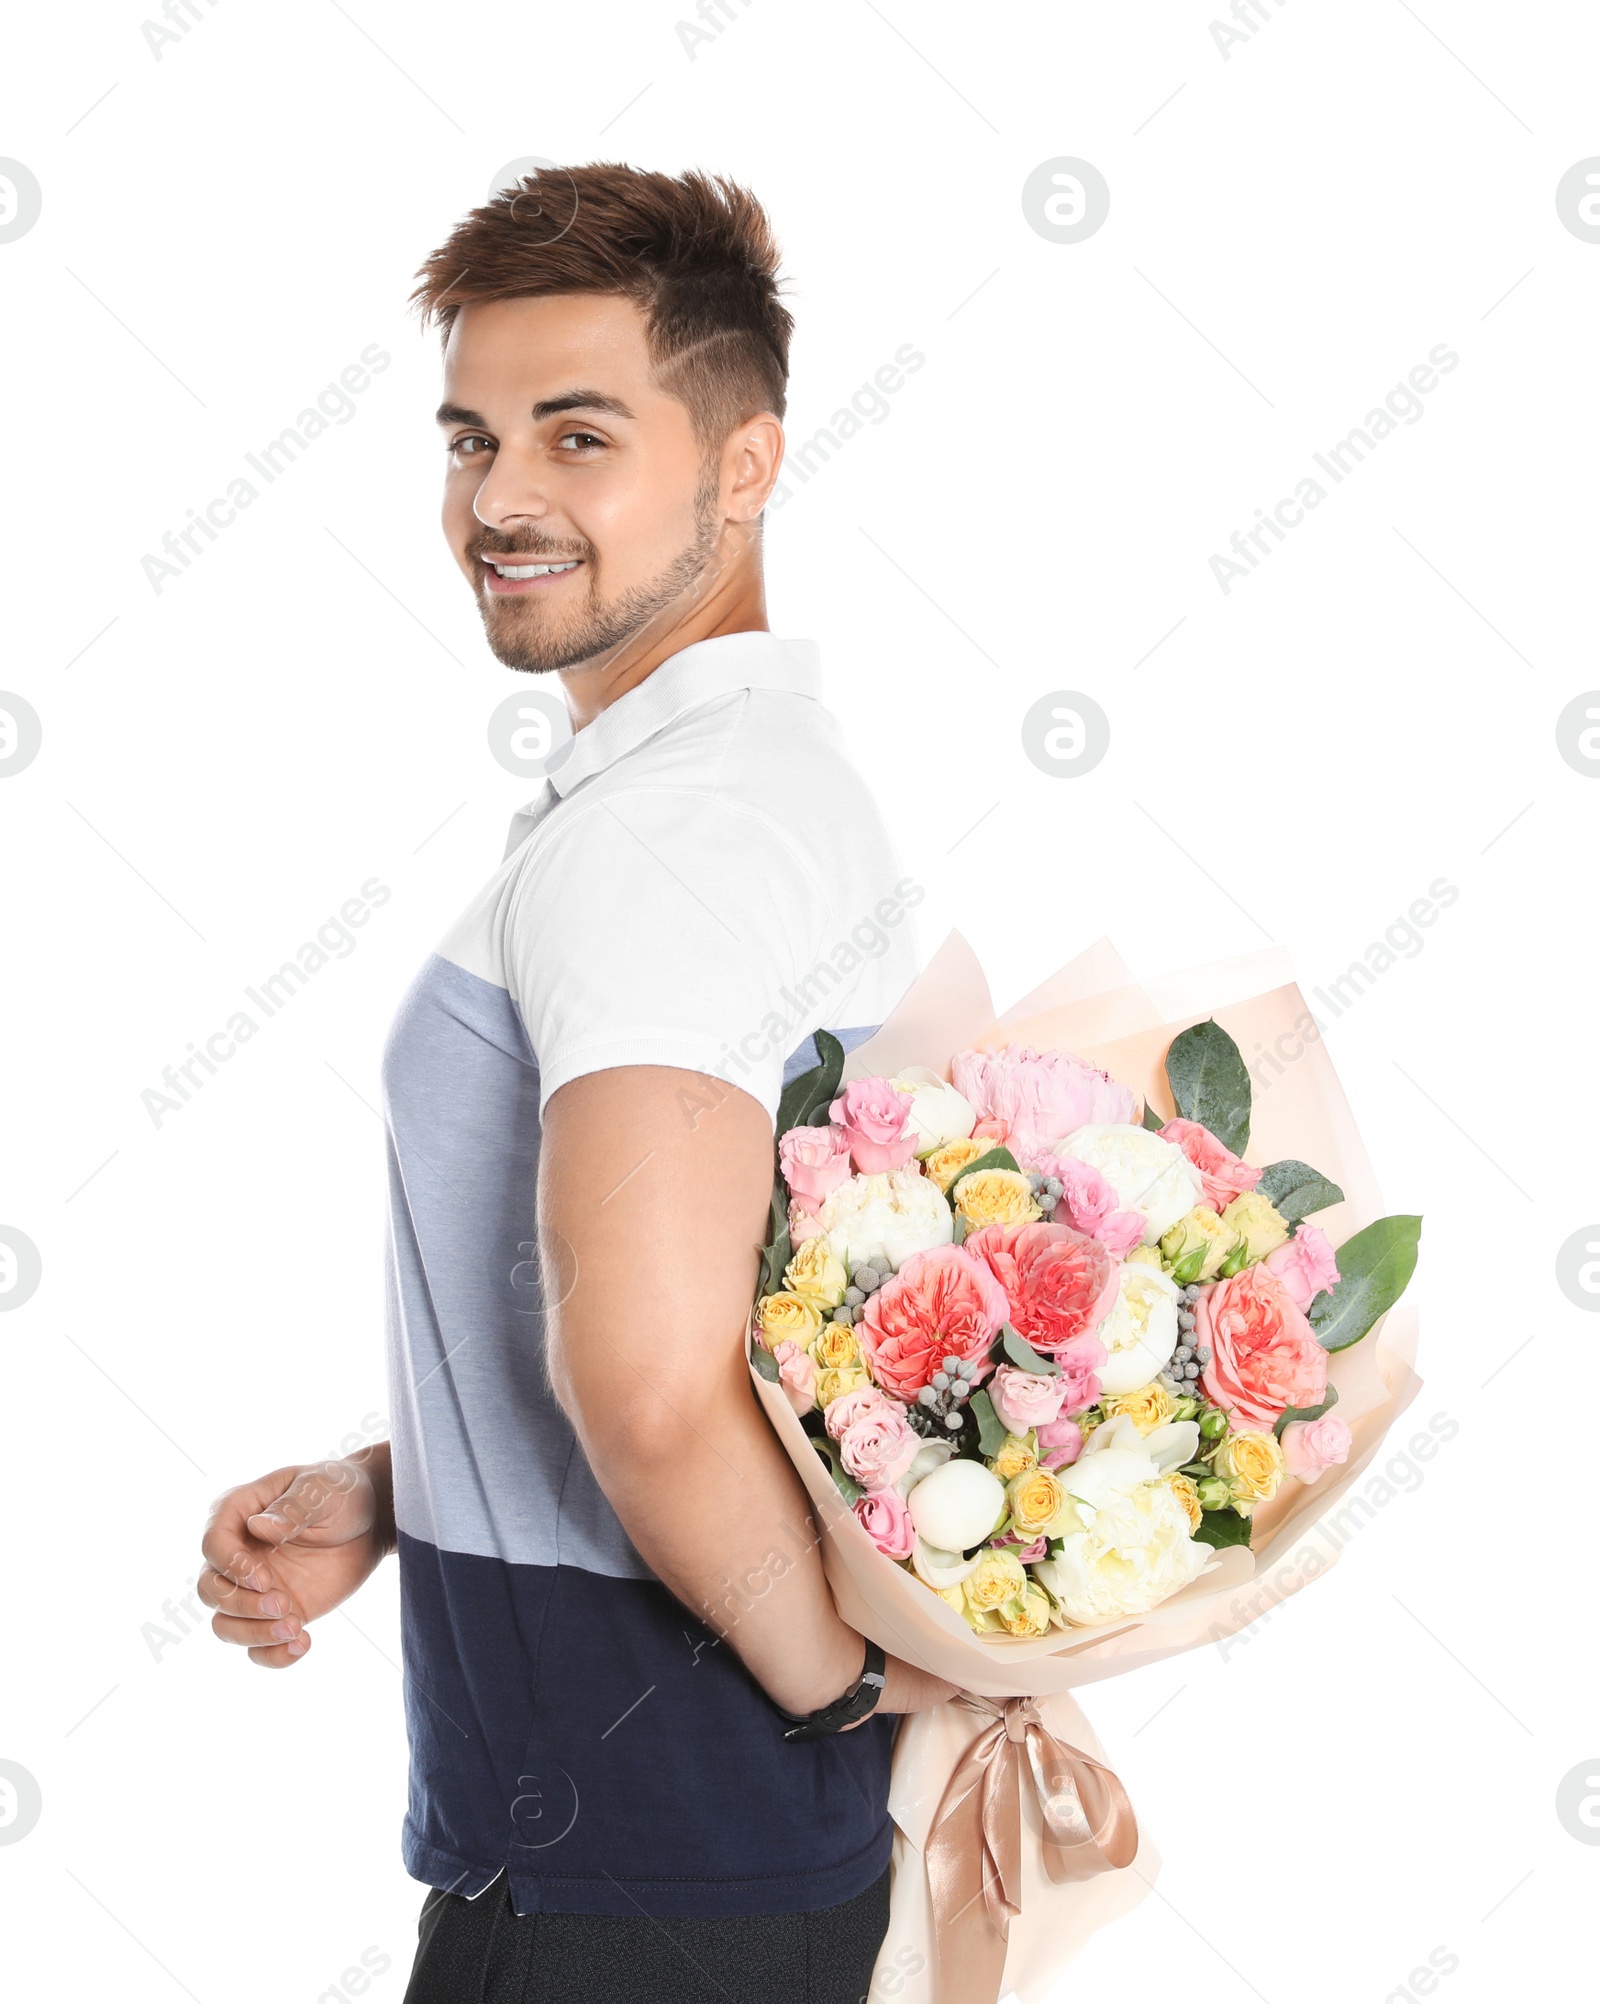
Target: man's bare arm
{"x":654,"y":1185}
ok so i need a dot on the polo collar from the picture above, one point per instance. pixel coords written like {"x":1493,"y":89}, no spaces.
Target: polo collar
{"x":694,"y":675}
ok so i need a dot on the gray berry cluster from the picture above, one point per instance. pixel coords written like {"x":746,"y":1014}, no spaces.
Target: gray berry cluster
{"x":944,"y":1398}
{"x":864,"y":1280}
{"x":1046,"y":1191}
{"x":1189,"y":1358}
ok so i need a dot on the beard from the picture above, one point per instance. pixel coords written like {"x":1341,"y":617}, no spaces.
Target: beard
{"x":528,"y":636}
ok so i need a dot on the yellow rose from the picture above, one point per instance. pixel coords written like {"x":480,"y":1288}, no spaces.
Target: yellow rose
{"x":1252,"y":1463}
{"x":998,"y":1576}
{"x":946,"y":1163}
{"x":1030,"y":1616}
{"x":1182,"y":1486}
{"x":1253,"y":1219}
{"x":1202,"y":1227}
{"x":816,"y":1273}
{"x":952,"y":1596}
{"x":788,"y":1318}
{"x":996,"y":1197}
{"x":1142,"y":1256}
{"x":1016,"y":1456}
{"x":1037,"y":1501}
{"x":1148,"y":1407}
{"x":835,"y":1347}
{"x":837,"y":1380}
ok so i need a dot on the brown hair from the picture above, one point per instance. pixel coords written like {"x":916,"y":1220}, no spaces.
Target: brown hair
{"x":695,"y":252}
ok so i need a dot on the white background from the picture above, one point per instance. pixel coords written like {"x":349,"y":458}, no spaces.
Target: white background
{"x":1292,"y":228}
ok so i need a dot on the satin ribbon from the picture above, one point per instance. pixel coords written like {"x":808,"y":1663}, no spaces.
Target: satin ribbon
{"x":974,"y":1852}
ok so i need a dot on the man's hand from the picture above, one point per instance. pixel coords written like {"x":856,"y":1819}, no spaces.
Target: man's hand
{"x":282,"y":1550}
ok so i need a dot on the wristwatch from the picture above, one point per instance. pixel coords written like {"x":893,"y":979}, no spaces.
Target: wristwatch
{"x":862,"y":1695}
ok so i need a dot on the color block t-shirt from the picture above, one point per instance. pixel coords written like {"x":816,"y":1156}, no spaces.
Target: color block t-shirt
{"x":703,"y":881}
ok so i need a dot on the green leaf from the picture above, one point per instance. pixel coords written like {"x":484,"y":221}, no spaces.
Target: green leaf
{"x":996,"y":1158}
{"x":1152,"y":1119}
{"x":1024,"y":1355}
{"x":1222,"y":1527}
{"x":813,"y":1092}
{"x":1295,"y":1190}
{"x":1236,"y":1262}
{"x":1374,"y":1268}
{"x":991,"y":1429}
{"x":777,"y":1250}
{"x":1210,"y":1084}
{"x":845,"y":1483}
{"x":766,"y":1364}
{"x":1291,"y":1413}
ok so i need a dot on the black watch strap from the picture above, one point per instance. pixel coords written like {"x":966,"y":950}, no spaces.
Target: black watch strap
{"x":862,"y":1695}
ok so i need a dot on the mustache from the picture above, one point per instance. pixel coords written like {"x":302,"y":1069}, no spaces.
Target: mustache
{"x":510,"y":546}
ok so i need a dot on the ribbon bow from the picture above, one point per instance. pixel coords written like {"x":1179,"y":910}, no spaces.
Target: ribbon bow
{"x":974,"y":1853}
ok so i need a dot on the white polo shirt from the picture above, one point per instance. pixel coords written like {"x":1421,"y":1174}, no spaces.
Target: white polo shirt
{"x":703,"y":881}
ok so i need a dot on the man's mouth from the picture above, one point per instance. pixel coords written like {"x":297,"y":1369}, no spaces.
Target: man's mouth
{"x":502,"y":579}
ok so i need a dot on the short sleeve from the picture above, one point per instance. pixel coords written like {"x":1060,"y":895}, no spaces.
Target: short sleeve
{"x":664,"y":927}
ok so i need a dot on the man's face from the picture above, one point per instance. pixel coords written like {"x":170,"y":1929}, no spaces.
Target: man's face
{"x":561,"y":451}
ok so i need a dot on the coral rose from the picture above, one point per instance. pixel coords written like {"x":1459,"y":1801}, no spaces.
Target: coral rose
{"x":1223,"y":1173}
{"x":1264,"y":1353}
{"x":1058,"y":1282}
{"x":941,"y":1303}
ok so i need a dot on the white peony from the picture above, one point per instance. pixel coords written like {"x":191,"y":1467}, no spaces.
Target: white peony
{"x":1150,"y":1176}
{"x":1141,"y":1332}
{"x":938,"y":1112}
{"x":957,"y":1505}
{"x":1130,"y":1554}
{"x":882,"y":1219}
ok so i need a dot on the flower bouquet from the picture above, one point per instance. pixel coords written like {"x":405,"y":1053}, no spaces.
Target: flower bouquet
{"x":1059,"y":1367}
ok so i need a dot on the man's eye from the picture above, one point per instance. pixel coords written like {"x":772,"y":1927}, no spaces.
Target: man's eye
{"x":465,"y":445}
{"x":592,"y":438}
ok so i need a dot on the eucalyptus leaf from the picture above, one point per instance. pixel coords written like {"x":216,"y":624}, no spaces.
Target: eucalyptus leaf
{"x":777,"y":1251}
{"x":766,"y":1364}
{"x":991,"y":1428}
{"x":810,"y":1095}
{"x":1374,"y":1268}
{"x":1152,"y":1119}
{"x":1291,"y":1413}
{"x":1210,"y":1084}
{"x":996,"y":1158}
{"x":845,"y":1483}
{"x":1222,"y":1527}
{"x":1295,"y":1190}
{"x":1024,"y":1355}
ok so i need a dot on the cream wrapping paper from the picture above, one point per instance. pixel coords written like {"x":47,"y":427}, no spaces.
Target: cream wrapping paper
{"x":1093,"y":1008}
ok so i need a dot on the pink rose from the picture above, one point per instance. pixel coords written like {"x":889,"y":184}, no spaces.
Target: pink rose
{"x":803,"y":1224}
{"x":873,"y":1116}
{"x":1058,"y":1282}
{"x":941,"y":1303}
{"x":879,"y":1448}
{"x":1088,"y":1202}
{"x":1222,"y":1172}
{"x":1306,"y":1266}
{"x":1041,"y":1096}
{"x":1036,"y":1549}
{"x":1025,"y":1398}
{"x":883,"y":1515}
{"x":844,"y":1411}
{"x":990,"y":1128}
{"x":1264,"y":1353}
{"x":1310,"y":1446}
{"x":1061,"y":1442}
{"x":797,"y":1373}
{"x":814,"y":1162}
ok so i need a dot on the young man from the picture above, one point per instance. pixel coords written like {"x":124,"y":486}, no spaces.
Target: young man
{"x":613,"y":1602}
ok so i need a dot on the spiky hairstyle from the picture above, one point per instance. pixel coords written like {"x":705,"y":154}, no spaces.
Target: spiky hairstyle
{"x":694,"y":251}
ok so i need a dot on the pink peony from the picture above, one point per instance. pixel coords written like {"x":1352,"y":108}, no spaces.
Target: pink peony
{"x":1306,"y":1266}
{"x":1025,"y":1398}
{"x":874,"y":1117}
{"x":1041,"y":1096}
{"x":1059,"y":1283}
{"x":883,"y":1515}
{"x":797,"y":1373}
{"x":1222,"y":1172}
{"x":1264,"y":1353}
{"x":1310,"y":1446}
{"x":877,"y":1447}
{"x":941,"y":1303}
{"x":814,"y":1162}
{"x":1088,"y":1202}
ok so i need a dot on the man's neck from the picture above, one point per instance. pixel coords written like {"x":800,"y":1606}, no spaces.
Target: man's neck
{"x":589,"y":689}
